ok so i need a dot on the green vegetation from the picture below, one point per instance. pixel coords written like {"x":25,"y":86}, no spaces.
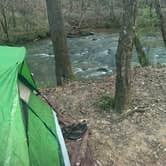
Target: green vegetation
{"x":105,"y":102}
{"x":147,"y":22}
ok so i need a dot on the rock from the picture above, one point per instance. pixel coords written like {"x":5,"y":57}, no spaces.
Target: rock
{"x":84,"y":33}
{"x":78,"y":33}
{"x":78,"y":70}
{"x":110,"y":52}
{"x":102,"y":69}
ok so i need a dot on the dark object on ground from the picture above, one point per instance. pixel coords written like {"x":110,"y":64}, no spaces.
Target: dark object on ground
{"x":74,"y":131}
{"x":77,"y":137}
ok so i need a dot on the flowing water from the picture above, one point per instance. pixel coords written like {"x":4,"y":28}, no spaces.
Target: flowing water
{"x":91,"y":56}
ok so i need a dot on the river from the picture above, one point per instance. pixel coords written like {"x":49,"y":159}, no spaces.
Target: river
{"x":91,"y":56}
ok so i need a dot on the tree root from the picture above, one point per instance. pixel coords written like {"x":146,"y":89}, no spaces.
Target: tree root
{"x":130,"y":112}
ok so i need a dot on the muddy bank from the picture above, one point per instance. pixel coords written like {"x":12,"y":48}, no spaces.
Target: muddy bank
{"x":139,"y":139}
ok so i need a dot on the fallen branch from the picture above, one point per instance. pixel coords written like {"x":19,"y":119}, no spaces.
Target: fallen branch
{"x":129,"y":113}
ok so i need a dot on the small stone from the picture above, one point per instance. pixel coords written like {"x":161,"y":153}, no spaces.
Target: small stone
{"x":77,"y":163}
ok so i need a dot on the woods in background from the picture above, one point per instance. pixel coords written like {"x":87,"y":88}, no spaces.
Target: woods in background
{"x":27,"y":20}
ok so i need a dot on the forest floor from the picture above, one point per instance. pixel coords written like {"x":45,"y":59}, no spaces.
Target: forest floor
{"x":136,"y":140}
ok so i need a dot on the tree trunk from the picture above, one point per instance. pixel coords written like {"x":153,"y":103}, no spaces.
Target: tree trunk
{"x":13,"y":14}
{"x":112,"y":13}
{"x":4,"y":22}
{"x":70,"y":5}
{"x":123,"y":57}
{"x":162,"y":20}
{"x":151,"y":9}
{"x":82,"y":13}
{"x":142,"y":57}
{"x":62,"y":61}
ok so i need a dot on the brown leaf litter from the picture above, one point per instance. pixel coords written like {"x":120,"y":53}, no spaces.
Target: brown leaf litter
{"x":138,"y":139}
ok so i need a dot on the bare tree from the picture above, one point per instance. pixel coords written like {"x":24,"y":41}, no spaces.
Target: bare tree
{"x":109,"y":5}
{"x":13,"y":13}
{"x":142,"y":56}
{"x":71,"y":3}
{"x":162,"y":20}
{"x":62,"y":61}
{"x":84,"y":7}
{"x":123,"y":57}
{"x":3,"y":19}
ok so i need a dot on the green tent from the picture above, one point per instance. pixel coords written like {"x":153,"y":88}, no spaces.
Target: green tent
{"x":29,"y":131}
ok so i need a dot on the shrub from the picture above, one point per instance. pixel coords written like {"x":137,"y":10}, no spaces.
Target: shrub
{"x":105,"y":102}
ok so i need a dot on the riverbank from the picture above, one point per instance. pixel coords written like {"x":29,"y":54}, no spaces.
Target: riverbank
{"x":139,"y":139}
{"x":21,"y":38}
{"x":24,"y":38}
{"x":32,"y":24}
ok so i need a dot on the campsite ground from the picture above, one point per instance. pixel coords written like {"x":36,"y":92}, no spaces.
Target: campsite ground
{"x":136,"y":140}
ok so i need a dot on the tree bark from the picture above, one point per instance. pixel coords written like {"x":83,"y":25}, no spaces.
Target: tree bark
{"x":70,"y":5}
{"x":142,"y":57}
{"x":112,"y":13}
{"x":13,"y":13}
{"x":123,"y":57}
{"x":162,"y":20}
{"x":150,"y":9}
{"x":4,"y":22}
{"x":62,"y":61}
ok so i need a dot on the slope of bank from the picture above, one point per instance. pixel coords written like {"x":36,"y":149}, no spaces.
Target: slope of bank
{"x":139,"y":139}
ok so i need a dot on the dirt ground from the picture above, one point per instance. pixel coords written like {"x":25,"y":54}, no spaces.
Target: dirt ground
{"x":136,"y":140}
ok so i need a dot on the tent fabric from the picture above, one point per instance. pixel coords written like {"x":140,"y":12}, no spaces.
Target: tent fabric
{"x":61,"y":141}
{"x":26,"y":77}
{"x":13,"y":146}
{"x":10,"y":57}
{"x":40,"y":115}
{"x":28,"y":133}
